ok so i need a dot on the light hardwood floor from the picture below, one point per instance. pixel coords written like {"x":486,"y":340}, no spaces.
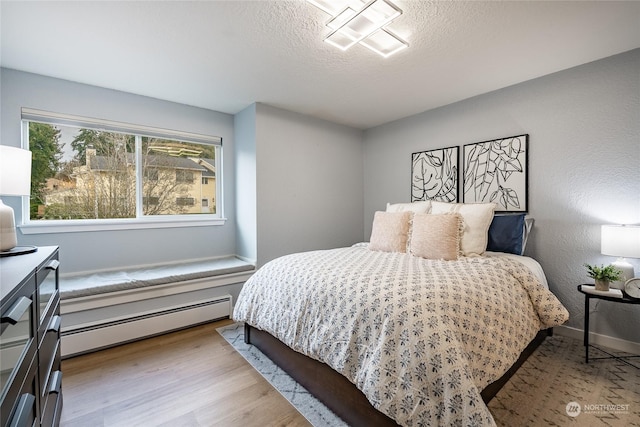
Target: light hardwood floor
{"x":187,"y":378}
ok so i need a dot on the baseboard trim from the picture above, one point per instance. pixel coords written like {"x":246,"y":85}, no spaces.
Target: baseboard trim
{"x":599,"y":339}
{"x":92,"y":336}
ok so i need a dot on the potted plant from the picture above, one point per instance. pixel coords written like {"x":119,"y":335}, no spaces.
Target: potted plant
{"x":603,"y":275}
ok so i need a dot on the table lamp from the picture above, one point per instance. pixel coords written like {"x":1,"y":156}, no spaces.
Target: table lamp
{"x":622,"y":241}
{"x":15,"y":180}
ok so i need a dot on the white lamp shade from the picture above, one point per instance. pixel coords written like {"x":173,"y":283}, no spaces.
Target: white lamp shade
{"x":621,"y":241}
{"x":15,"y":171}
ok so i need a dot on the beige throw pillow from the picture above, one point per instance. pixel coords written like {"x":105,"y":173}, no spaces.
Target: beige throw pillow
{"x":390,"y":231}
{"x":436,"y":236}
{"x":477,"y":219}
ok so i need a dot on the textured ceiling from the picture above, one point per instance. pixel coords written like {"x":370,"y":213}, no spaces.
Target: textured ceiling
{"x":226,"y":55}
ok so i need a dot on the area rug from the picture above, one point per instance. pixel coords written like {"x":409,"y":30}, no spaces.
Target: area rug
{"x":310,"y":407}
{"x":554,"y":387}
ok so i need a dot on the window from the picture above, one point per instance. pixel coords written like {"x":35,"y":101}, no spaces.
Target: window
{"x":184,"y":176}
{"x":150,"y":201}
{"x":151,"y":174}
{"x":86,"y":169}
{"x":185,"y":201}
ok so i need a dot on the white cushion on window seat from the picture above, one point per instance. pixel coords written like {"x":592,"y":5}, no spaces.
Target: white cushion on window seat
{"x":104,"y":282}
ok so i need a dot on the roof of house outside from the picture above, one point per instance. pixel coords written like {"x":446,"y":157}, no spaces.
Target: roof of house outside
{"x":105,"y":163}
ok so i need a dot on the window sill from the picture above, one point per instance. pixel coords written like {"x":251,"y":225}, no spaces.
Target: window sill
{"x":80,"y":226}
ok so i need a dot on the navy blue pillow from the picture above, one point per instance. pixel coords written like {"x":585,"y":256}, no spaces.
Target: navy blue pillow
{"x":506,"y":234}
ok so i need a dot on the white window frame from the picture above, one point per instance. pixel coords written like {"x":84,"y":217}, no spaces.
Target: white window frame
{"x":141,"y":221}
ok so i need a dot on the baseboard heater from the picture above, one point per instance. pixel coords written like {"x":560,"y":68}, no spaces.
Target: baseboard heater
{"x":79,"y":339}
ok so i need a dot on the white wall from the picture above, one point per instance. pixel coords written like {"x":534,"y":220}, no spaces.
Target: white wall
{"x":584,"y":167}
{"x":113,"y":249}
{"x":309,"y":183}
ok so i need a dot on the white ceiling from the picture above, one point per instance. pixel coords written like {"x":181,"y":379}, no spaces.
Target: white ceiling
{"x":226,"y":55}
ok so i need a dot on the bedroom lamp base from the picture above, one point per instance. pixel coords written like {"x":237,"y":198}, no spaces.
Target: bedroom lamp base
{"x":627,"y":272}
{"x":19,"y":250}
{"x":8,"y":239}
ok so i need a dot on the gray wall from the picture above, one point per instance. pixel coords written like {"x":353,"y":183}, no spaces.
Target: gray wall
{"x":112,"y":249}
{"x":309,"y":183}
{"x":246,"y":184}
{"x":584,"y":167}
{"x":305,"y":184}
{"x":294,"y":183}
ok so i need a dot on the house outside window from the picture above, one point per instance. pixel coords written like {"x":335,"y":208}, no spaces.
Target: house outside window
{"x":84,"y":173}
{"x":205,"y":205}
{"x":151,"y":174}
{"x":185,"y":201}
{"x":151,"y":200}
{"x":184,"y":176}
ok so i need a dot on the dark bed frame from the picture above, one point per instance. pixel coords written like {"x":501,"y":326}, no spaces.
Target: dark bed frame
{"x":339,"y":394}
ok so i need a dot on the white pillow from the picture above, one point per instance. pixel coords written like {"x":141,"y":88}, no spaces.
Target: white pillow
{"x":415,"y":207}
{"x":477,"y":219}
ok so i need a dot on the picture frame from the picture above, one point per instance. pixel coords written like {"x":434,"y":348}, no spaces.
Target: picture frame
{"x":497,"y":171}
{"x":434,"y":175}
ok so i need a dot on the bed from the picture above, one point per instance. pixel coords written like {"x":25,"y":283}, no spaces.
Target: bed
{"x":388,"y":337}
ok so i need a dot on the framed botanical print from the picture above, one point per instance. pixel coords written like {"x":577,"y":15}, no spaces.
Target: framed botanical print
{"x":434,"y":175}
{"x":497,"y":171}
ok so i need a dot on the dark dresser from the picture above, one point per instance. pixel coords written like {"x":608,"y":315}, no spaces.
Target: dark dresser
{"x":30,"y":376}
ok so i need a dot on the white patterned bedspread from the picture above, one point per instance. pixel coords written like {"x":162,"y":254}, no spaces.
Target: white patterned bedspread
{"x":421,"y":338}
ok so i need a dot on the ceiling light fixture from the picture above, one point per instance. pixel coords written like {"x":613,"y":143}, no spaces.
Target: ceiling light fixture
{"x":384,"y":43}
{"x":357,"y":22}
